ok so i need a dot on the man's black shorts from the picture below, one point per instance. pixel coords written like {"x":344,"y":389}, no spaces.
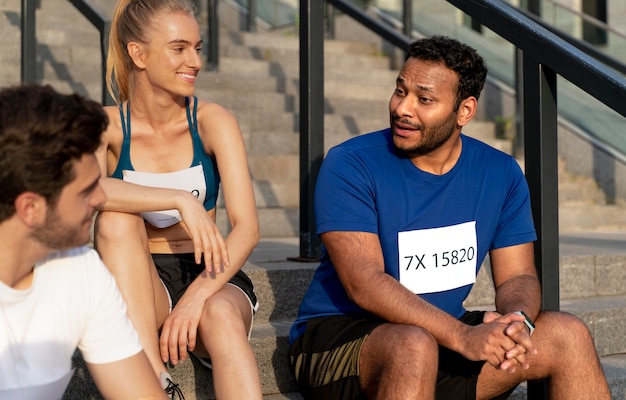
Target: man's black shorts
{"x":325,"y":358}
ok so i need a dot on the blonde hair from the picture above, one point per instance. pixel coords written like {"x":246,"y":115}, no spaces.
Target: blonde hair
{"x":131,"y":21}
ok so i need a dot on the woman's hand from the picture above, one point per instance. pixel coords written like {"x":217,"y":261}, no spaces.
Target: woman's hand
{"x":206,"y":237}
{"x":179,"y":331}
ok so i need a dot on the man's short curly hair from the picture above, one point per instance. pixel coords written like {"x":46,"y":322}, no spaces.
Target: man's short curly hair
{"x":42,"y":133}
{"x":461,"y":58}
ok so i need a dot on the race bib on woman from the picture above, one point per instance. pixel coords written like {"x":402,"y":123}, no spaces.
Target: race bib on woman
{"x":190,"y":179}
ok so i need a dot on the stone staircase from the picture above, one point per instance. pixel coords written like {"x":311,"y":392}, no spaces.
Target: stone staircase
{"x":258,"y":82}
{"x":269,"y":120}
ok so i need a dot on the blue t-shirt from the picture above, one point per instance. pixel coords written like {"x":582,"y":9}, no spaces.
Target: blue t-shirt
{"x":367,"y":185}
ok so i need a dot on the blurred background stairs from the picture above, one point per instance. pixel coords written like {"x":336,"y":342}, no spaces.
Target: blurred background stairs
{"x":258,"y":82}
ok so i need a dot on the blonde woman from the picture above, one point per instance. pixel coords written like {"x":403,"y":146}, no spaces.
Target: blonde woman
{"x":166,"y":153}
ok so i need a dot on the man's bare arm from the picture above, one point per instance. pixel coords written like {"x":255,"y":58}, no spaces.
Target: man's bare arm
{"x":358,"y":259}
{"x":130,"y":378}
{"x":517,"y":288}
{"x":515,"y":279}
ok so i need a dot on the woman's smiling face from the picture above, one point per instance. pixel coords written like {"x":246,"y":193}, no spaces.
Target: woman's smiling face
{"x":172,"y":57}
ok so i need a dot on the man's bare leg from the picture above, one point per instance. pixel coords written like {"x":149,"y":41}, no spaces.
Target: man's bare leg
{"x":566,"y":356}
{"x":399,"y":362}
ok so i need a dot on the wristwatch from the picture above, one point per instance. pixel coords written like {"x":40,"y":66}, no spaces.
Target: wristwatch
{"x":527,"y":321}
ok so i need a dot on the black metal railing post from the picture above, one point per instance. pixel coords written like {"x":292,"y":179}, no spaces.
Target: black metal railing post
{"x":107,"y":100}
{"x":534,"y":6}
{"x":407,"y":17}
{"x":518,"y":142}
{"x":251,"y":17}
{"x":213,"y":32}
{"x":541,"y":155}
{"x":29,"y":42}
{"x":311,"y":120}
{"x":102,"y":24}
{"x":330,"y":20}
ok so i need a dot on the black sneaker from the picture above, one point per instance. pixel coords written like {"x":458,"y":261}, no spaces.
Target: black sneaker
{"x":171,"y":389}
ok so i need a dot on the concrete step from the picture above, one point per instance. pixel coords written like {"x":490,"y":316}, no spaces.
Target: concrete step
{"x":340,"y":97}
{"x":210,"y":80}
{"x":287,"y":41}
{"x":269,"y":342}
{"x":91,"y":88}
{"x":582,"y":276}
{"x":265,"y":48}
{"x":10,"y":43}
{"x":275,"y":222}
{"x":267,"y":134}
{"x":274,"y":194}
{"x":200,"y":386}
{"x":262,"y":102}
{"x":592,"y":267}
{"x":590,"y":283}
{"x":584,"y":192}
{"x":370,"y":69}
{"x":585,"y":217}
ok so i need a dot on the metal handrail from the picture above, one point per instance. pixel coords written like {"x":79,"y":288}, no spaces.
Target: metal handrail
{"x":29,"y":41}
{"x":384,"y":31}
{"x":588,"y":18}
{"x":551,"y":50}
{"x":580,"y":44}
{"x":101,"y":23}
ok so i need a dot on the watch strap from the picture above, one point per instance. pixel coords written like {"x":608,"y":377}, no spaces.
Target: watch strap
{"x":527,"y":321}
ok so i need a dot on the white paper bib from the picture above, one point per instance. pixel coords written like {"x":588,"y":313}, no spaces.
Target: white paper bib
{"x":190,"y":179}
{"x":438,"y":259}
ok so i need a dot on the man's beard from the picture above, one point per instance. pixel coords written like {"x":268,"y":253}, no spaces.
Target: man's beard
{"x":57,"y":234}
{"x":433,"y":137}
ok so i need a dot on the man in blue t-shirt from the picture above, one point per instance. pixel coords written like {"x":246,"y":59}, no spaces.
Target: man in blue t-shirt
{"x":407,"y":216}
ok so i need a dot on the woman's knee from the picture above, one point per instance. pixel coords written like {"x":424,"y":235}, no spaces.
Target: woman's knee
{"x":225,"y":308}
{"x":117,"y":226}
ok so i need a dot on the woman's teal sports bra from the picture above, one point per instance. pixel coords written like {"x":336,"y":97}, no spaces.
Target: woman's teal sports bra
{"x":200,"y":157}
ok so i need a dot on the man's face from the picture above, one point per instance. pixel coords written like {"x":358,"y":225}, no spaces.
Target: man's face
{"x":68,"y":223}
{"x":422,"y":107}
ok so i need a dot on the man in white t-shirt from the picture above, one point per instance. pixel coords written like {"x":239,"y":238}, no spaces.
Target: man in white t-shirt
{"x":56,"y":296}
